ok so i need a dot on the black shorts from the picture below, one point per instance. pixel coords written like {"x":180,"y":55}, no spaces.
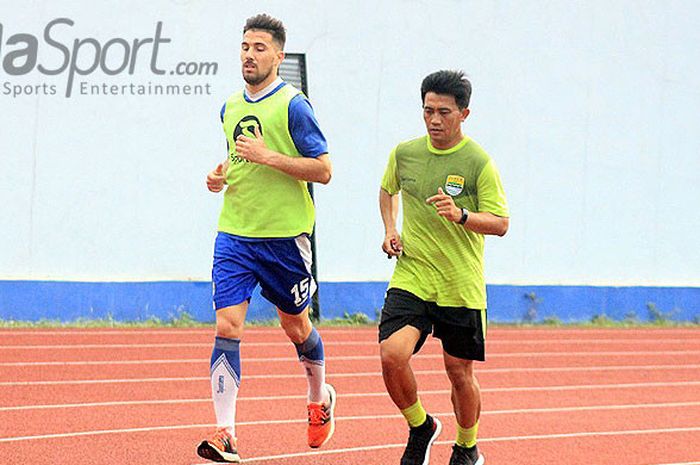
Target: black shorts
{"x":461,"y":329}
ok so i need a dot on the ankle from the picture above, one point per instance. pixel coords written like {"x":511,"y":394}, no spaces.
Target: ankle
{"x":427,"y":424}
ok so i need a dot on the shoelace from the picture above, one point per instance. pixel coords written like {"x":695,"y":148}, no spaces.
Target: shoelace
{"x":223,"y":439}
{"x":318,"y":414}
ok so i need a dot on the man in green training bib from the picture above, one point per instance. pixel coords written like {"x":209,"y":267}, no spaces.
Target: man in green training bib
{"x":275,"y":146}
{"x":452,"y":197}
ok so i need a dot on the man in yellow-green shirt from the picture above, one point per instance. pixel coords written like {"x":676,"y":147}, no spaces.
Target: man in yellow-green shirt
{"x":452,"y":197}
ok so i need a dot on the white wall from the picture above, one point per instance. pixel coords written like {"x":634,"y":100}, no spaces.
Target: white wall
{"x":590,"y":110}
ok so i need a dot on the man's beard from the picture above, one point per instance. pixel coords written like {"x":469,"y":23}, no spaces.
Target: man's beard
{"x":257,"y":79}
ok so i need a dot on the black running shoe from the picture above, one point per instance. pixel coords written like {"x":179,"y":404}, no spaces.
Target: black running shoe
{"x":420,"y":439}
{"x":466,"y":456}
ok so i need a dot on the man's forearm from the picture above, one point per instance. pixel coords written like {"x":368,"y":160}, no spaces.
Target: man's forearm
{"x":302,"y":168}
{"x":487,"y":223}
{"x":388,"y":207}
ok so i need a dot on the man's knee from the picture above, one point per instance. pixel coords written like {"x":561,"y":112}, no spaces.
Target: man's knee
{"x":461,"y":373}
{"x":230,"y":321}
{"x":296,"y":327}
{"x":397,"y":349}
{"x":394,"y":354}
{"x":229,"y":328}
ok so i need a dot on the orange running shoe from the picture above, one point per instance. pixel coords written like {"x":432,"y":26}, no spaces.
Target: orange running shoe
{"x":220,"y":448}
{"x":321,"y":420}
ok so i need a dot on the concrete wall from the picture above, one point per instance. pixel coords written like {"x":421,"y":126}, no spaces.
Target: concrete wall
{"x":588,"y":108}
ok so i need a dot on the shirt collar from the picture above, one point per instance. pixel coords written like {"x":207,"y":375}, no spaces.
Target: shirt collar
{"x":264,"y":92}
{"x":452,"y":149}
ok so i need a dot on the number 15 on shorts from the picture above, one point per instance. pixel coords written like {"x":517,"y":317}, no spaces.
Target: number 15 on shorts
{"x":300,"y":291}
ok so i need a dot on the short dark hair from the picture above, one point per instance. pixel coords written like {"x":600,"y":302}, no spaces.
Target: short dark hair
{"x":448,"y":83}
{"x":265,"y":22}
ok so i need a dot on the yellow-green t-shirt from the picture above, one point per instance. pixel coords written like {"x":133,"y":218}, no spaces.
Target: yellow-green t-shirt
{"x":442,"y":262}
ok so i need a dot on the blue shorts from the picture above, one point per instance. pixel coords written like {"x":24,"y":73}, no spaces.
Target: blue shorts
{"x":282,"y":267}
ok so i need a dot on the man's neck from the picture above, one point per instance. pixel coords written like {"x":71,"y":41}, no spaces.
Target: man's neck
{"x":447,"y":145}
{"x":255,"y":92}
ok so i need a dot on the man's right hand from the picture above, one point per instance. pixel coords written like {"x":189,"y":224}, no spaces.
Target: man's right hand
{"x":216,"y":180}
{"x":392,"y":245}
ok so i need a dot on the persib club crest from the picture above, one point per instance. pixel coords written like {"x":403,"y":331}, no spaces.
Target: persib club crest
{"x":454,"y":185}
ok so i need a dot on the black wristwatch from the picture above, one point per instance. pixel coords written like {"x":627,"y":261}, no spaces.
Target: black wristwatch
{"x":465,"y":215}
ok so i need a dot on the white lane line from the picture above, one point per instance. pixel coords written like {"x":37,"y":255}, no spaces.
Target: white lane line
{"x":503,"y":331}
{"x":588,"y":354}
{"x":360,"y":395}
{"x":359,"y":374}
{"x":206,"y":331}
{"x":630,"y":353}
{"x":617,"y":340}
{"x":104,"y":362}
{"x":684,"y":463}
{"x":106,"y":404}
{"x":367,"y":343}
{"x":363,"y":418}
{"x":273,"y":398}
{"x":116,"y":332}
{"x":205,"y":378}
{"x":481,"y":440}
{"x":495,"y":330}
{"x":591,"y":386}
{"x":206,"y":360}
{"x":688,"y":429}
{"x":377,"y":373}
{"x":591,"y":368}
{"x":172,"y":345}
{"x":103,"y":381}
{"x":104,"y":431}
{"x":110,"y":346}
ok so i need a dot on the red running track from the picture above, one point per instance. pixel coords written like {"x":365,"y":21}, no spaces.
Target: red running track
{"x":551,"y":396}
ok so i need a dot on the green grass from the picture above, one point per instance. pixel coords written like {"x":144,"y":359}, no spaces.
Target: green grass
{"x":179,"y":320}
{"x":600,"y":321}
{"x":183,"y":319}
{"x":355,"y":319}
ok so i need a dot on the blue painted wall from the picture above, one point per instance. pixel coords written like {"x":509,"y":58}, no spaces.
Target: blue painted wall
{"x":67,"y":301}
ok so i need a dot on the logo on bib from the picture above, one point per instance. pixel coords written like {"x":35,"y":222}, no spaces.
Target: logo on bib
{"x":454,"y":185}
{"x":246,"y":126}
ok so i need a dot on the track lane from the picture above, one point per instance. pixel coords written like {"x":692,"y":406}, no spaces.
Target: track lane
{"x":498,"y":386}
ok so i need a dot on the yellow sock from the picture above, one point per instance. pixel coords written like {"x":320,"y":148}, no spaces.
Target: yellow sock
{"x":466,"y":437}
{"x":415,"y":414}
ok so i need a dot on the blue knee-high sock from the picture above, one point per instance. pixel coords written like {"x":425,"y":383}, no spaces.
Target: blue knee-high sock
{"x":225,"y":374}
{"x":311,"y":356}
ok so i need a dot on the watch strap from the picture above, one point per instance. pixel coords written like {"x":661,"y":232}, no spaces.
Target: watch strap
{"x":465,"y":215}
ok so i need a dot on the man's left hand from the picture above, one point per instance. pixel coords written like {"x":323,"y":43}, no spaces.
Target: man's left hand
{"x":445,"y":205}
{"x":253,"y":149}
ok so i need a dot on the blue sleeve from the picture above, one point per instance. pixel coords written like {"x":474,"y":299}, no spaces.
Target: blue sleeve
{"x":306,"y":134}
{"x":223,"y":110}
